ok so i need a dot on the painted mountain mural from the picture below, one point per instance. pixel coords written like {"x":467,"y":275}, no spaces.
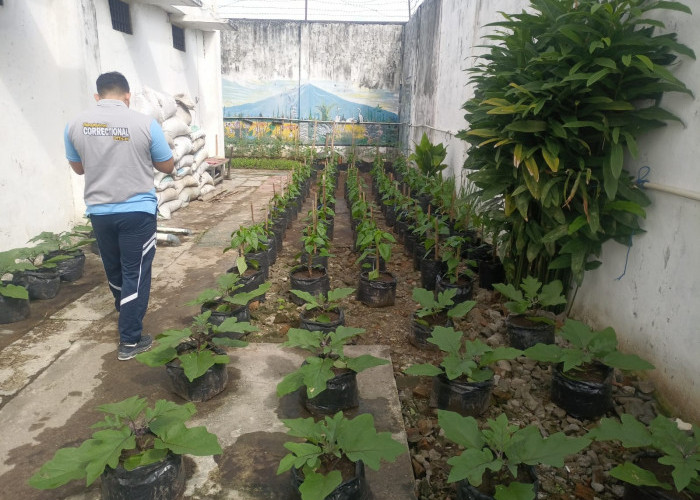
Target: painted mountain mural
{"x":316,"y":104}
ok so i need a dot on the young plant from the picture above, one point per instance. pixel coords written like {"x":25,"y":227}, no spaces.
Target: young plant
{"x":451,"y":255}
{"x":468,"y":360}
{"x":329,"y":441}
{"x":587,"y":347}
{"x":131,"y":434}
{"x":429,"y":157}
{"x":64,"y":242}
{"x":10,"y":263}
{"x":677,"y":449}
{"x":322,"y":304}
{"x":226,"y":296}
{"x":536,"y":296}
{"x":501,"y":448}
{"x":195,"y":342}
{"x":248,"y":239}
{"x":371,"y":240}
{"x":431,"y":307}
{"x":327,"y":355}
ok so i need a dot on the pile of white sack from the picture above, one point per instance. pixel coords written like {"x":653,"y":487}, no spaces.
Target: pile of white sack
{"x":190,"y":179}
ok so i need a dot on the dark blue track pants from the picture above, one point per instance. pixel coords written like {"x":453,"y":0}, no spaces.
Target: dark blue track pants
{"x":127,"y":244}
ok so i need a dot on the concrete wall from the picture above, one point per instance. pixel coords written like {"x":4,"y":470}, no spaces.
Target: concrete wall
{"x":440,"y":44}
{"x":654,"y":307}
{"x":51,"y":52}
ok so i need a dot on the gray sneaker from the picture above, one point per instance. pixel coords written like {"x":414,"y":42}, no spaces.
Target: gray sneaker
{"x":128,"y":351}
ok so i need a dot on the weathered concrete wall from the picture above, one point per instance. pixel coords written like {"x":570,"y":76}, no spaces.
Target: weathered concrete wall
{"x":368,"y":55}
{"x":440,"y":43}
{"x":654,"y":306}
{"x":51,"y":52}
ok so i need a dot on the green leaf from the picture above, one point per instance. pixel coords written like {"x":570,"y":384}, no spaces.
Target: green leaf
{"x":317,"y":486}
{"x":365,"y":361}
{"x":447,"y":339}
{"x":685,"y":469}
{"x":628,"y":430}
{"x":166,"y":413}
{"x":302,"y":454}
{"x":339,"y":294}
{"x":360,"y":441}
{"x":633,"y":474}
{"x":616,"y":159}
{"x":423,"y":370}
{"x":598,"y":75}
{"x":425,"y":298}
{"x":471,"y":465}
{"x":462,"y":430}
{"x":527,"y":126}
{"x":515,"y":491}
{"x":529,"y":447}
{"x":290,"y":383}
{"x":646,"y":61}
{"x":629,"y":362}
{"x":14,"y":291}
{"x":461,"y":309}
{"x":547,"y":353}
{"x":316,"y":373}
{"x":196,"y":364}
{"x":305,"y":339}
{"x":148,"y":457}
{"x":158,"y":356}
{"x":182,"y":440}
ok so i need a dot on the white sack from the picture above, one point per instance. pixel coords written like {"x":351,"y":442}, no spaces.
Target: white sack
{"x":189,"y":193}
{"x":206,"y":179}
{"x":207,"y":188}
{"x":184,"y":114}
{"x":184,"y":100}
{"x":139,"y":102}
{"x":166,"y":195}
{"x":197,"y":134}
{"x":175,"y":127}
{"x":168,"y":106}
{"x":197,"y":144}
{"x":185,"y":161}
{"x":183,"y":144}
{"x":167,"y":208}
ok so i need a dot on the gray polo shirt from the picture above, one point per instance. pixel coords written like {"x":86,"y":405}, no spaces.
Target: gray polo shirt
{"x":117,"y":147}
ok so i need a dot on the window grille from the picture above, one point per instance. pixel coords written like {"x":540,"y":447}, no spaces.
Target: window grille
{"x":178,"y":38}
{"x":121,"y":18}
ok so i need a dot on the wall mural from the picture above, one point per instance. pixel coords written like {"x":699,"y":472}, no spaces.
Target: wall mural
{"x":312,"y":112}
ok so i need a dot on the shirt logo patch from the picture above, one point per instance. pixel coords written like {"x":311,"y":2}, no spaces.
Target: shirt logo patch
{"x":101,"y":129}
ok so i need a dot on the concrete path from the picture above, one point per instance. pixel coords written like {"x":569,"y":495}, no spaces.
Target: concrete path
{"x":60,"y":364}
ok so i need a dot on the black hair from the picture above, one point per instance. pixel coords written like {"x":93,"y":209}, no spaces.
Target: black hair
{"x":112,"y":82}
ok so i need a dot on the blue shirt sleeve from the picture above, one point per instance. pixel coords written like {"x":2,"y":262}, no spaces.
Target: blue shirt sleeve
{"x":160,"y":151}
{"x":71,"y":153}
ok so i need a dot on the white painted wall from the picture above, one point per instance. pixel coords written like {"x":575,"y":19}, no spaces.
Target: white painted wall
{"x":655,"y":307}
{"x":51,"y":52}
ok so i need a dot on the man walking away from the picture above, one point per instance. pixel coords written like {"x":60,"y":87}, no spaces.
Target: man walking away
{"x":116,"y":149}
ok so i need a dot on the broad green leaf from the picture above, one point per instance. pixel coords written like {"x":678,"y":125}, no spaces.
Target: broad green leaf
{"x":129,"y":408}
{"x":646,"y":61}
{"x":317,"y":486}
{"x":148,"y":457}
{"x":509,"y":291}
{"x":158,"y":356}
{"x":633,"y":474}
{"x":425,"y":298}
{"x":515,"y":491}
{"x":483,"y":132}
{"x":302,"y":454}
{"x":422,"y":370}
{"x":195,"y":364}
{"x":359,"y":440}
{"x":462,"y":430}
{"x":311,"y":301}
{"x":14,"y":291}
{"x":471,"y":465}
{"x":547,"y":353}
{"x":552,"y":294}
{"x":598,"y":75}
{"x":447,"y":339}
{"x":605,"y":62}
{"x":305,"y":428}
{"x":339,"y":294}
{"x":290,"y":383}
{"x":461,"y":309}
{"x":166,"y":413}
{"x":455,"y":366}
{"x":305,"y":339}
{"x":529,"y":447}
{"x":628,"y":430}
{"x":232,"y":325}
{"x":625,"y":206}
{"x":316,"y":373}
{"x":628,"y":362}
{"x":188,"y":441}
{"x":498,"y":354}
{"x":685,"y":469}
{"x":365,"y":361}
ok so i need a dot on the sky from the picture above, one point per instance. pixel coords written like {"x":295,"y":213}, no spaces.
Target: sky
{"x":318,"y":10}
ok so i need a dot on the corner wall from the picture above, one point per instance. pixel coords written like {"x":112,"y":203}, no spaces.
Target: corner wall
{"x":654,"y":307}
{"x":51,"y":52}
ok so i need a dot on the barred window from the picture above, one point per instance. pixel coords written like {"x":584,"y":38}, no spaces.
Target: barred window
{"x":178,"y":38}
{"x":121,"y":18}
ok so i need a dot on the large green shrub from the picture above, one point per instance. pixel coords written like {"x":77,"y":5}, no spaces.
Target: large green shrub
{"x":564,"y":91}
